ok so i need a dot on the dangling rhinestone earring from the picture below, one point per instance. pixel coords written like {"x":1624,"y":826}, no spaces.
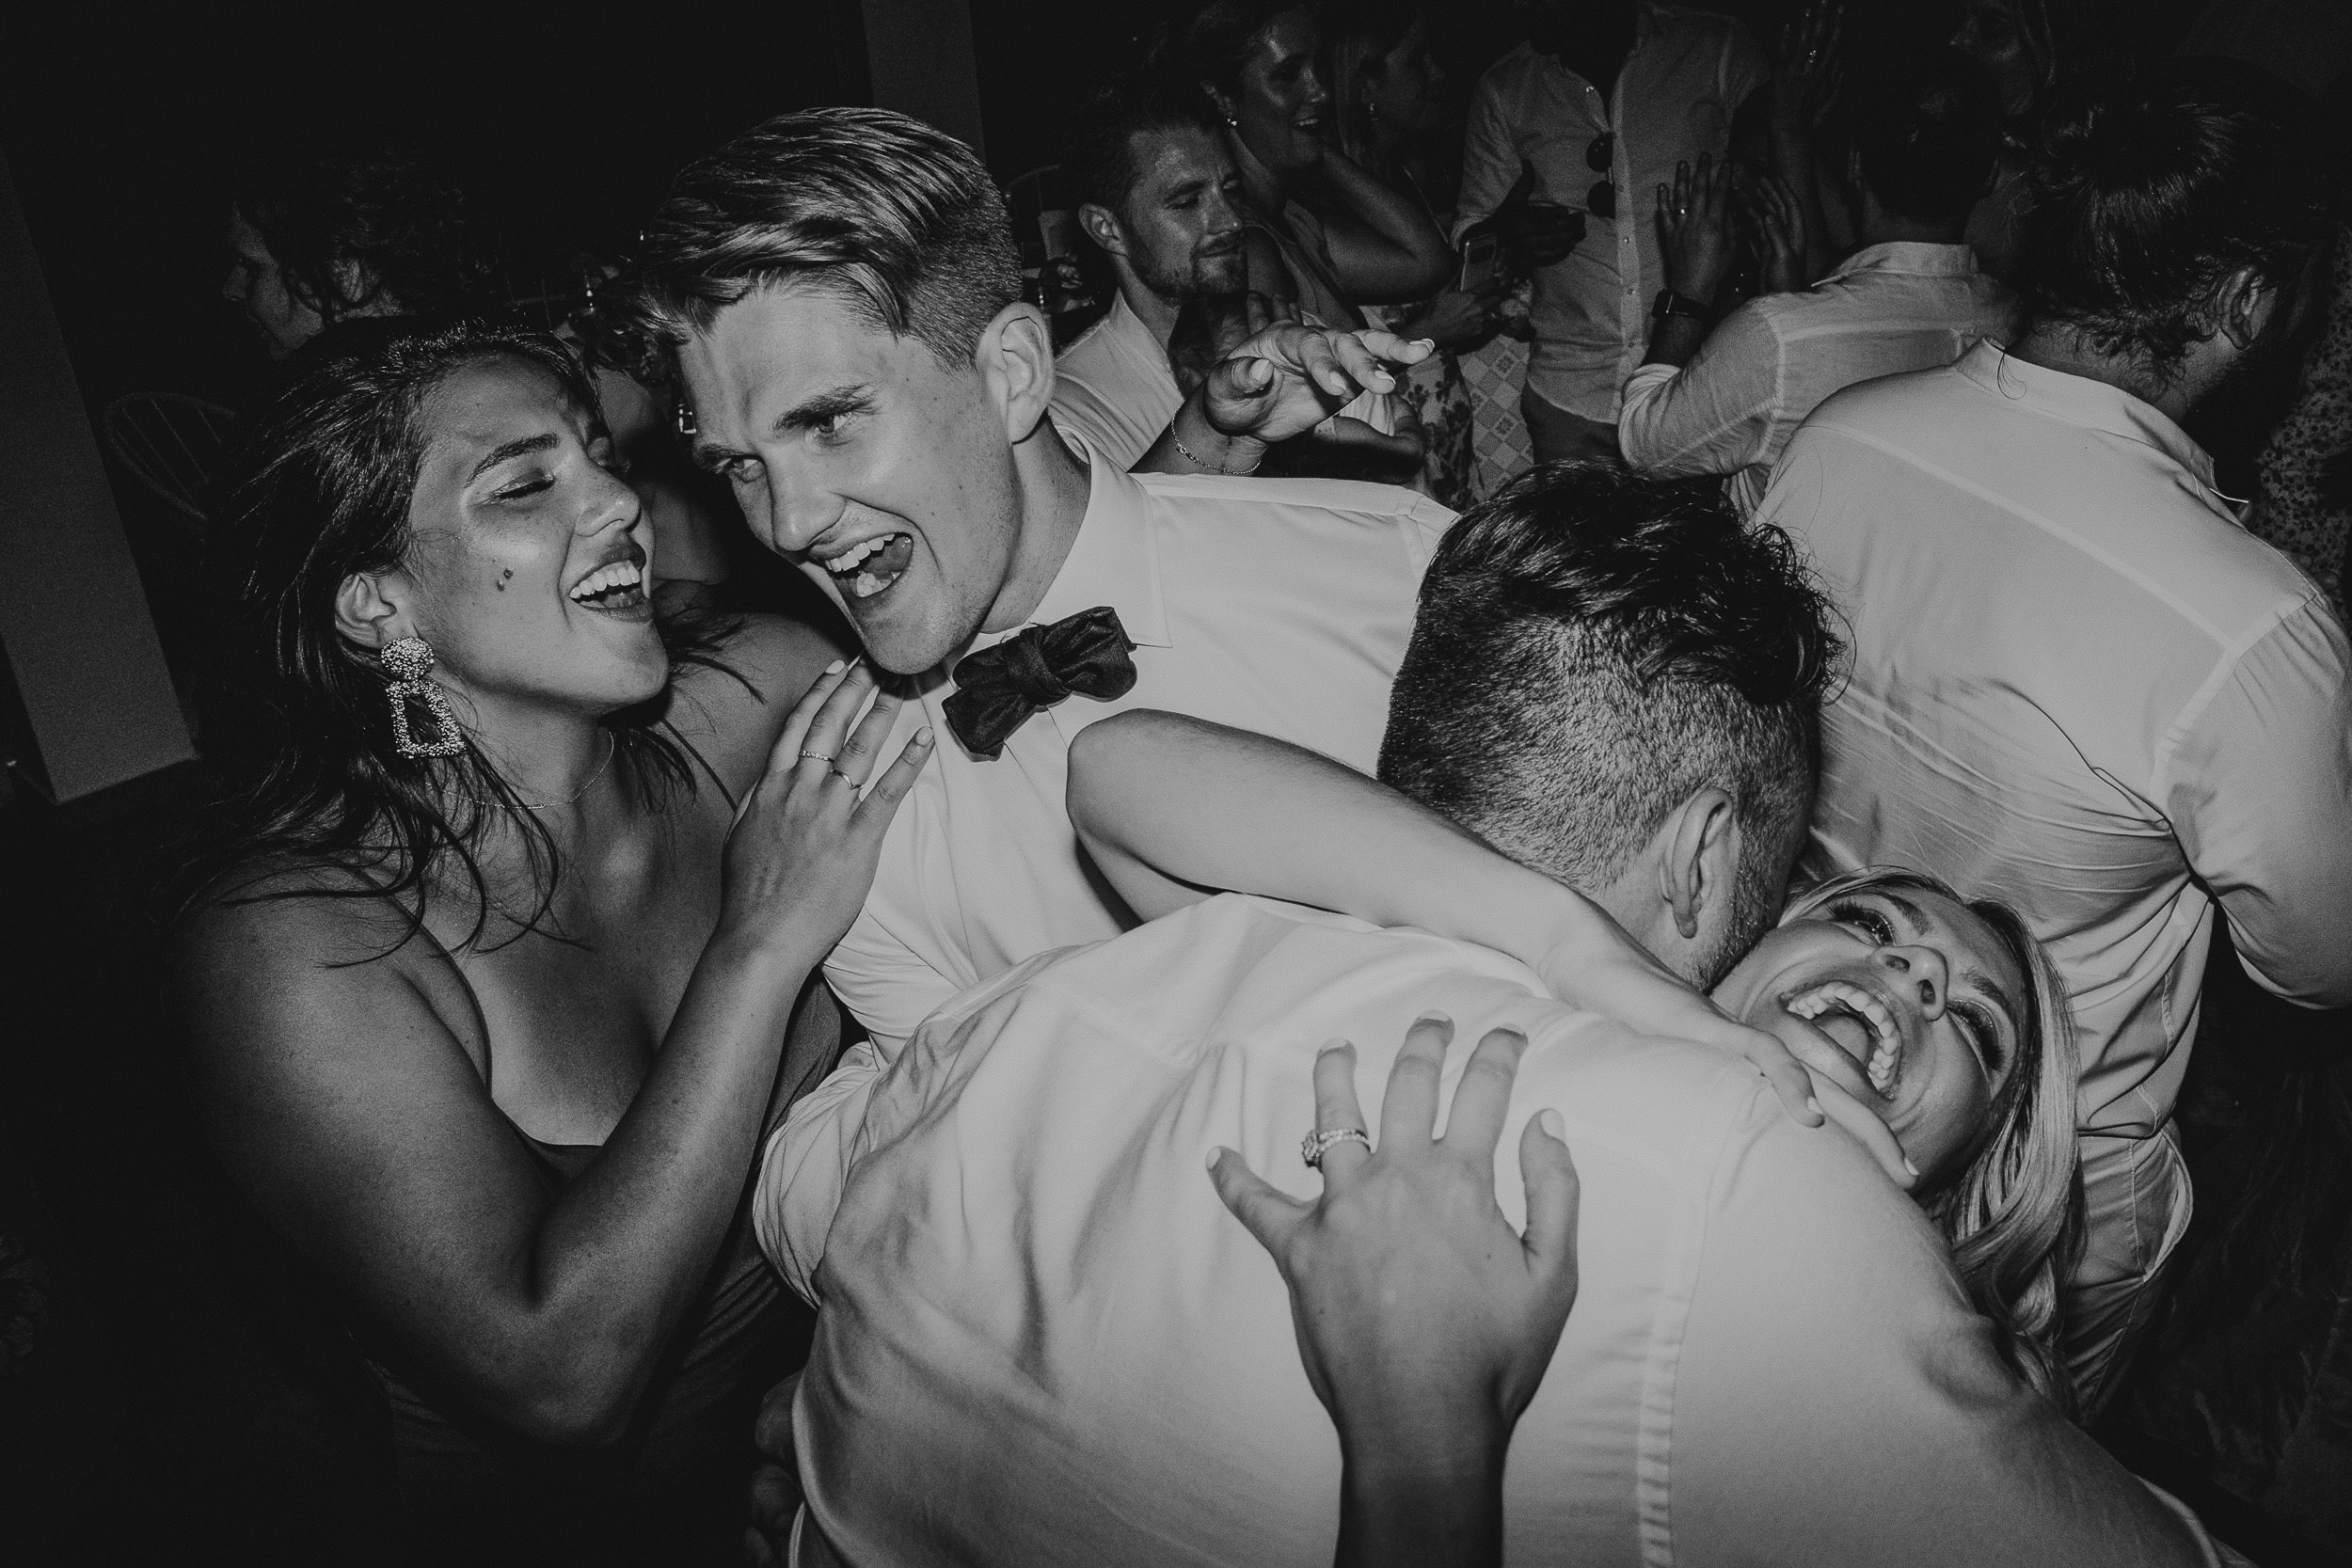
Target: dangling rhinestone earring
{"x":410,"y":662}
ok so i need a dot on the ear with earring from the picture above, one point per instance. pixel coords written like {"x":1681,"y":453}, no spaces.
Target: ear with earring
{"x":409,"y":663}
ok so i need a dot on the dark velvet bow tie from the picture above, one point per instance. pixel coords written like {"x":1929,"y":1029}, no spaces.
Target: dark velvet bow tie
{"x":998,"y":687}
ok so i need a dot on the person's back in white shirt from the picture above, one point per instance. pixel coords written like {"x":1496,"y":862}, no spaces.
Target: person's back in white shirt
{"x":1043,"y":1339}
{"x":1732,"y":409}
{"x":2079,"y":686}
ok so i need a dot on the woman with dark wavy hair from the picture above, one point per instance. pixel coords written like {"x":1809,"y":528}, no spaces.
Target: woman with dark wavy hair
{"x":507,"y":961}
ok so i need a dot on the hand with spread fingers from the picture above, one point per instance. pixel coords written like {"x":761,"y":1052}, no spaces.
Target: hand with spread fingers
{"x":804,"y":845}
{"x":1778,"y":218}
{"x":1425,"y":1323}
{"x":1694,"y":229}
{"x":1806,"y":76}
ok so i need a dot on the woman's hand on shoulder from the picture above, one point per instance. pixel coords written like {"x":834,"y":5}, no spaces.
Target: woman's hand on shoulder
{"x":802,"y":855}
{"x":735,"y":717}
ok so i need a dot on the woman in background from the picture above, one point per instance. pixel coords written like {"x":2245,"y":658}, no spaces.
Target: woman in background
{"x":1322,"y":232}
{"x":1387,"y":116}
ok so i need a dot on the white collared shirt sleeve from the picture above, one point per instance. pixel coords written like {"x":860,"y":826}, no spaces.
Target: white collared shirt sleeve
{"x":805,"y":1165}
{"x":1490,"y":164}
{"x":1714,"y":416}
{"x":2259,"y":789}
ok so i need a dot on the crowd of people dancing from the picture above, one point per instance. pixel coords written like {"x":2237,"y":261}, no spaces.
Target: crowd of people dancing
{"x":1676,"y":619}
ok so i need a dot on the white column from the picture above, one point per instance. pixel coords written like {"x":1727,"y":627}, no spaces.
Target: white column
{"x":72,"y":617}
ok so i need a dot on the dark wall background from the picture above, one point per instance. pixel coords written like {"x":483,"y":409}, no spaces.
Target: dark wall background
{"x":563,"y":122}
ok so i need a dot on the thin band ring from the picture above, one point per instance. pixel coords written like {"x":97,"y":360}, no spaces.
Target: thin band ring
{"x":837,"y":773}
{"x":1316,"y":1145}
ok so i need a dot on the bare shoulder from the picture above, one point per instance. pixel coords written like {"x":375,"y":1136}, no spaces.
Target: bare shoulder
{"x":273,"y":956}
{"x":1269,"y":272}
{"x":734,"y":714}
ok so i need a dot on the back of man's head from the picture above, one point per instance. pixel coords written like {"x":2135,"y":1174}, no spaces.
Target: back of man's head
{"x":1102,"y":148}
{"x":896,"y":218}
{"x":1926,"y":127}
{"x":1593,"y":648}
{"x":2149,"y":192}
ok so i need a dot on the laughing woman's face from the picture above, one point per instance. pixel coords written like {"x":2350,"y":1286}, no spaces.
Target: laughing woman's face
{"x":1906,"y":999}
{"x":529,"y":558}
{"x":1282,"y":101}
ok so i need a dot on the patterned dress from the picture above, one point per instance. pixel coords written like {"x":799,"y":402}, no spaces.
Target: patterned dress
{"x":2303,"y":506}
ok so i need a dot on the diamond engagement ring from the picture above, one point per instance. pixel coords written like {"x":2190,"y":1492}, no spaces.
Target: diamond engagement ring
{"x":816,"y":757}
{"x":1317,"y":1145}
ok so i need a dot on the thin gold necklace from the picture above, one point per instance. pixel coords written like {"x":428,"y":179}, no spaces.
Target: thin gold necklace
{"x":611,"y":745}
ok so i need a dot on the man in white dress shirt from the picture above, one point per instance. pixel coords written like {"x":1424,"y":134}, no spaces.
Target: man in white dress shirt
{"x":859,"y":363}
{"x":1043,"y":1341}
{"x":2078,"y":685}
{"x":1160,"y":196}
{"x":1925,"y":130}
{"x":1602,"y":100}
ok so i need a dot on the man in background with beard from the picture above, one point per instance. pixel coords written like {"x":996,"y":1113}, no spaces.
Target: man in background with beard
{"x":2078,"y":685}
{"x":1161,"y":197}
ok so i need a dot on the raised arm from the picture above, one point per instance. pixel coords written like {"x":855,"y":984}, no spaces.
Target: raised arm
{"x":341,"y":1088}
{"x":1175,"y":809}
{"x":1384,"y":248}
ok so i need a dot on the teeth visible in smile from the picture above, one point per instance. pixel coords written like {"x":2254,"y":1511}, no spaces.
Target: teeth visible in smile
{"x":848,"y":558}
{"x":1886,"y":1055}
{"x":620,"y":574}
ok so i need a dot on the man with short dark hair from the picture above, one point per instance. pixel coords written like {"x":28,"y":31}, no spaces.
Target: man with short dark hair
{"x":1601,"y":652}
{"x":1159,"y":196}
{"x":2078,"y":685}
{"x":1925,"y":129}
{"x":1042,"y":1338}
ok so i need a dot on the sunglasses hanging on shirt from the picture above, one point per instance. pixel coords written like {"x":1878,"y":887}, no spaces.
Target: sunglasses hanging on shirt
{"x":1602,"y":198}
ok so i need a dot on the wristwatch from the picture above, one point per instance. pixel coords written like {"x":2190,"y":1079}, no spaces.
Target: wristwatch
{"x":1672,"y":304}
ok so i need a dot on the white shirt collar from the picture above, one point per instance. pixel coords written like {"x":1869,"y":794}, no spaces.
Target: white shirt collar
{"x":1910,"y":256}
{"x":1112,"y":562}
{"x":2078,"y":399}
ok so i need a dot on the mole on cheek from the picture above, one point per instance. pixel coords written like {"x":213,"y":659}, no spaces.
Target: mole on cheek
{"x":504,"y":577}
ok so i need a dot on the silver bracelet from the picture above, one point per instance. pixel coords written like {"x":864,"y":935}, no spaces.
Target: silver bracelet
{"x":1187,"y":454}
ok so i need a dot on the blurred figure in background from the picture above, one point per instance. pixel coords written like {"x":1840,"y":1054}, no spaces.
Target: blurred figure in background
{"x":691,"y":515}
{"x":1160,"y":197}
{"x":1924,"y":132}
{"x":1387,"y":116}
{"x":2077,"y":683}
{"x":1595,"y":111}
{"x":327,"y":239}
{"x":2302,"y":504}
{"x":1323,"y":232}
{"x":2027,"y":46}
